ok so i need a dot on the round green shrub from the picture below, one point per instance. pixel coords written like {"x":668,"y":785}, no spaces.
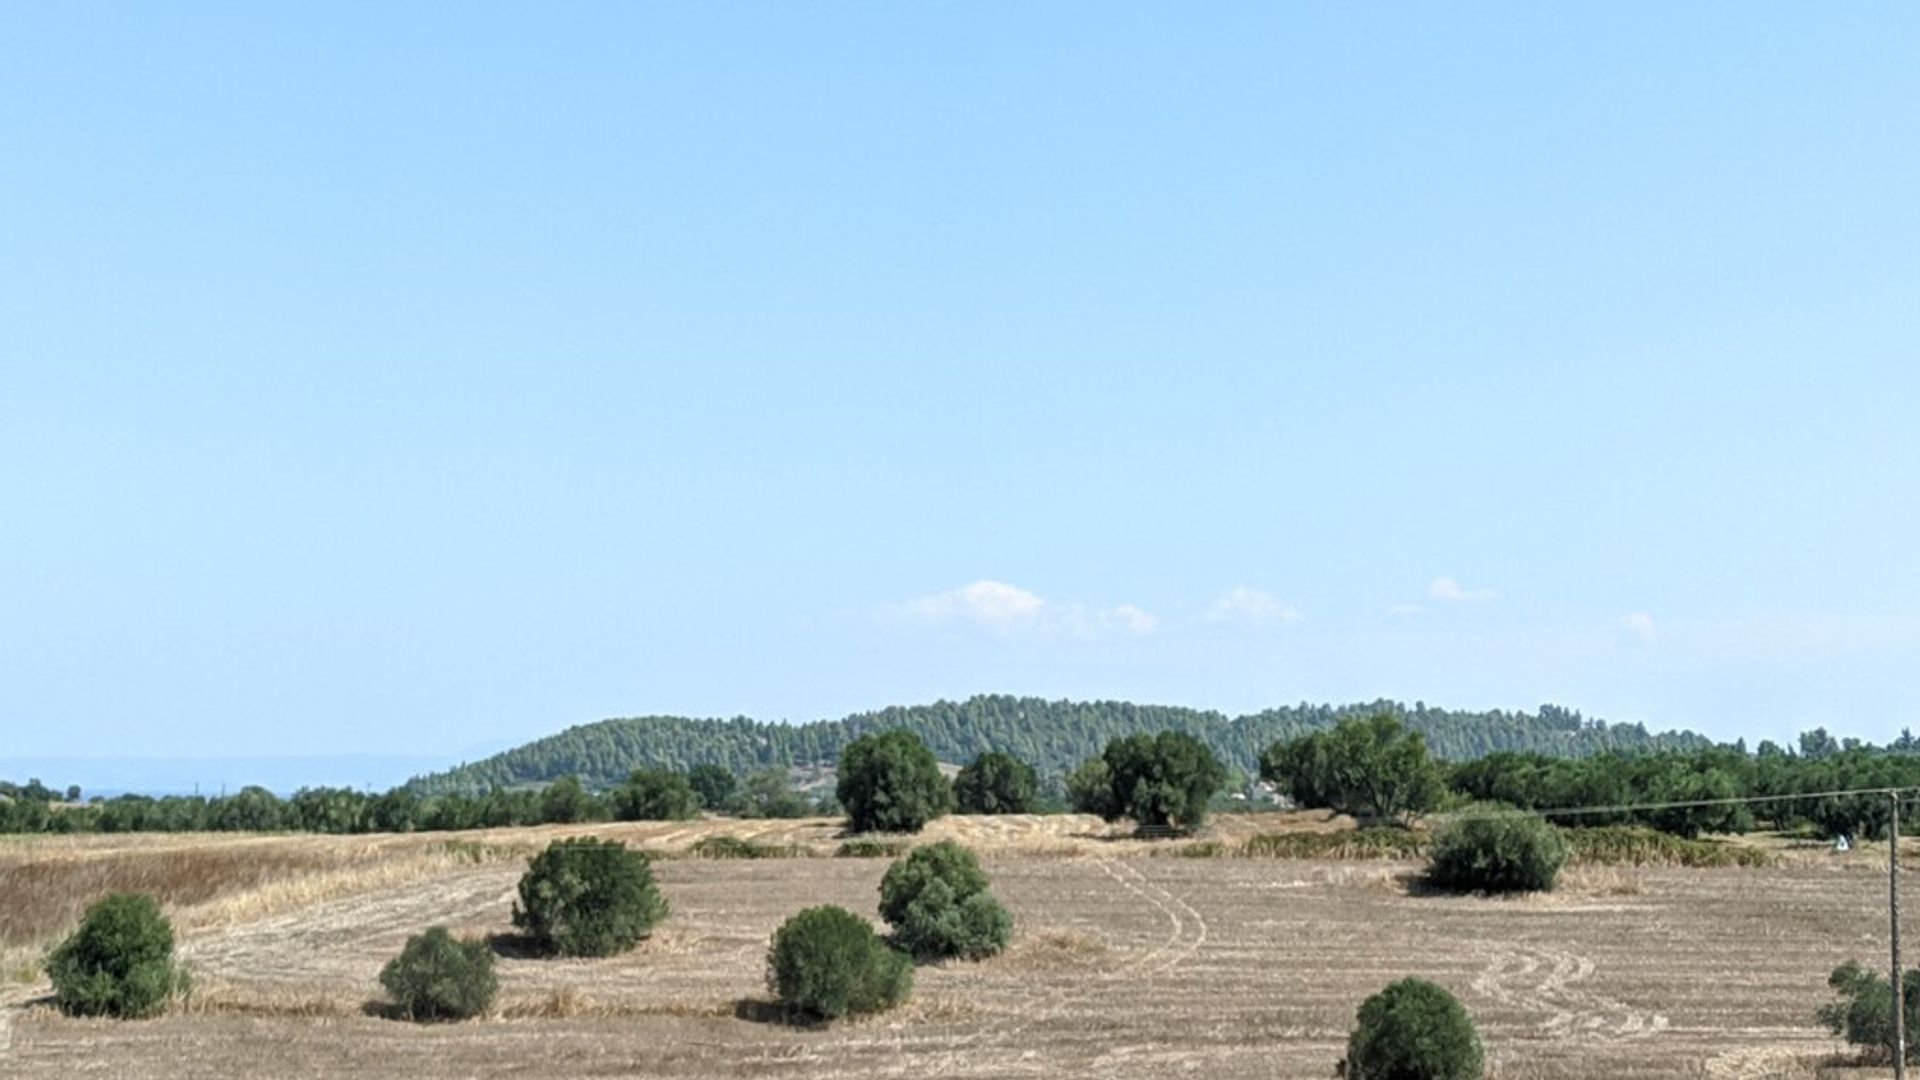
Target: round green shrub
{"x":937,"y":900}
{"x":827,"y":962}
{"x":890,"y":782}
{"x":119,"y":962}
{"x":588,"y":897}
{"x":1413,"y":1030}
{"x":1506,"y":853}
{"x":438,"y":978}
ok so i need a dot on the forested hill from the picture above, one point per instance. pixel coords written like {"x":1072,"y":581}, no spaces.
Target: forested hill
{"x":1053,"y":735}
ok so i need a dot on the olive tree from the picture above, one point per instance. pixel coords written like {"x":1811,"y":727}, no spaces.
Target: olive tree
{"x":890,"y":782}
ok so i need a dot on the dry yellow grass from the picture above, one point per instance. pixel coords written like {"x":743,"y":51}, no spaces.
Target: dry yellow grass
{"x":1121,"y":966}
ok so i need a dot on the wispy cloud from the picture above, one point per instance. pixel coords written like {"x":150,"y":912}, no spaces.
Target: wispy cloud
{"x":1638,"y":627}
{"x":988,"y":603}
{"x":1448,"y":591}
{"x":1404,"y":611}
{"x":1244,"y":605}
{"x":1007,"y":609}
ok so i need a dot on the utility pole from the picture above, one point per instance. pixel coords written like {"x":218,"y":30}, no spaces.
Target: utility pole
{"x":1893,"y":927}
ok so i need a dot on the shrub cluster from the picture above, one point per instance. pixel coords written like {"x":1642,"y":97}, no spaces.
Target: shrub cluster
{"x":937,"y":901}
{"x":1864,"y":1014}
{"x":722,"y":846}
{"x":827,"y":962}
{"x":119,"y":962}
{"x":1497,"y":853}
{"x":588,"y":897}
{"x":438,"y":978}
{"x":1413,"y":1030}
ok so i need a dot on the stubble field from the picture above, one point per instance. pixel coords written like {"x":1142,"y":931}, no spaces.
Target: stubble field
{"x":1125,"y":964}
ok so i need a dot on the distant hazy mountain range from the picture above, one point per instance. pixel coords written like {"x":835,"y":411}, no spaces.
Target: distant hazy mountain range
{"x":1053,"y":735}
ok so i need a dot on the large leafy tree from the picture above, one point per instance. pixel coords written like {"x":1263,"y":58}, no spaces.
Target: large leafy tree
{"x":996,"y":783}
{"x":890,"y":782}
{"x":713,"y":785}
{"x":655,"y":795}
{"x":1373,"y":769}
{"x":1161,"y":780}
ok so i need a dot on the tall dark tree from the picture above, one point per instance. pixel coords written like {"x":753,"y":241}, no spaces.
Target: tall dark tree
{"x":1373,"y":769}
{"x":1162,"y":780}
{"x":996,"y":783}
{"x":712,"y":785}
{"x":655,"y":795}
{"x":890,"y":782}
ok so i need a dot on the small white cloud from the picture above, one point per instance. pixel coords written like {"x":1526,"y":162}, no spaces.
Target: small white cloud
{"x":990,"y":603}
{"x":1638,"y":627}
{"x":1447,"y":590}
{"x":1134,"y":619}
{"x":1404,"y":611}
{"x":1009,"y":609}
{"x":1246,"y":605}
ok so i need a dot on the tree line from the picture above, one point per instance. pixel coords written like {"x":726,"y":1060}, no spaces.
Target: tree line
{"x":1053,"y":736}
{"x":1377,"y":768}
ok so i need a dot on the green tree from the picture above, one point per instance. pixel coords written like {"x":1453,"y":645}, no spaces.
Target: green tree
{"x":251,"y":809}
{"x":1413,"y":1030}
{"x":827,"y":962}
{"x":769,"y":794}
{"x":588,"y":897}
{"x":438,"y":978}
{"x":119,"y":962}
{"x":1864,"y":1014}
{"x":1090,"y":789}
{"x":713,"y":785}
{"x":890,"y":782}
{"x":1161,"y":780}
{"x":937,"y":900}
{"x":655,"y":795}
{"x":566,"y":802}
{"x":996,"y":783}
{"x":1373,"y":769}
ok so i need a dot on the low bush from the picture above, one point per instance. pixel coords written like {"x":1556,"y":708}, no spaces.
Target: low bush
{"x":868,"y":848}
{"x":119,"y":962}
{"x":733,"y":847}
{"x":1497,"y":853}
{"x":438,"y":978}
{"x":1864,"y":1014}
{"x":1624,"y":845}
{"x":1413,"y":1030}
{"x":588,"y":897}
{"x":1361,"y":844}
{"x":937,"y":901}
{"x":827,"y":962}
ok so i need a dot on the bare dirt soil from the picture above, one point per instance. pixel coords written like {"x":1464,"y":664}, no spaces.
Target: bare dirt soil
{"x":1124,"y":965}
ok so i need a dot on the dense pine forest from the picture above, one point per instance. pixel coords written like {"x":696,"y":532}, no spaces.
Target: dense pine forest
{"x":1054,"y":736}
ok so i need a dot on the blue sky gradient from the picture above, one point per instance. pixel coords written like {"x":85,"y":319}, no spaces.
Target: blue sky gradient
{"x":418,"y":379}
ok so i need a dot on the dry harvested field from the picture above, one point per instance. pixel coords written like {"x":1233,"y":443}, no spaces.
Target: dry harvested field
{"x":1124,"y":965}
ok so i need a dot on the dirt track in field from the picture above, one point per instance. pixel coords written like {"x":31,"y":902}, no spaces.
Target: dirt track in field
{"x":1123,"y":966}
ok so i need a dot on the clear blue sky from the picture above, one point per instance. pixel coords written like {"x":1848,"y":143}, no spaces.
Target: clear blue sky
{"x":411,"y":379}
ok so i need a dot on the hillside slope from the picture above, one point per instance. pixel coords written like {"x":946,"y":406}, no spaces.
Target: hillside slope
{"x":1053,"y":735}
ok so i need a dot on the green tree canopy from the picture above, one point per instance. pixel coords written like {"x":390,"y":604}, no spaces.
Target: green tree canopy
{"x":890,"y":782}
{"x":1373,"y":769}
{"x":996,"y":783}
